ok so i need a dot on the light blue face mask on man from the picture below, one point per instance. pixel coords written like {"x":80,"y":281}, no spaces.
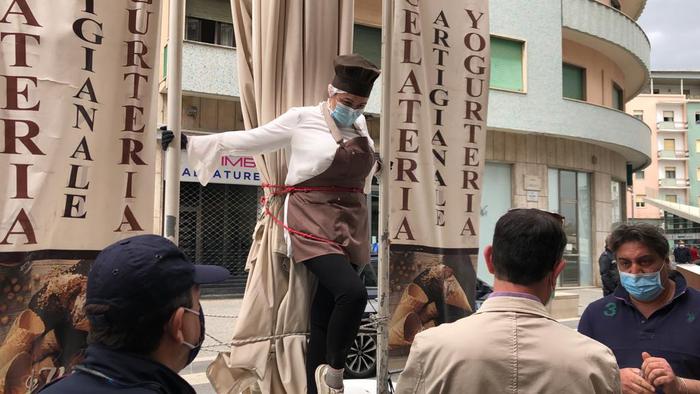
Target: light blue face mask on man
{"x":344,"y":115}
{"x":642,"y":287}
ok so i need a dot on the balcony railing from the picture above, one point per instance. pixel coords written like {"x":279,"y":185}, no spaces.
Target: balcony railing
{"x":674,"y":182}
{"x":672,"y":126}
{"x":672,"y":154}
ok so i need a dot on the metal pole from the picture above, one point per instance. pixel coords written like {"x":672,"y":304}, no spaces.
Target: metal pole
{"x":384,"y":140}
{"x":174,"y":104}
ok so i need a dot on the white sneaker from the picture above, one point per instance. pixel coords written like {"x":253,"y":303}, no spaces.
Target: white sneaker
{"x":321,"y":385}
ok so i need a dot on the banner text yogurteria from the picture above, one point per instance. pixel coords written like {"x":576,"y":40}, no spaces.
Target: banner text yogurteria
{"x":455,"y":118}
{"x":86,"y":120}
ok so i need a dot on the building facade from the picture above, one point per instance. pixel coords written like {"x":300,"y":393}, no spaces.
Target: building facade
{"x":558,"y":138}
{"x":670,"y":106}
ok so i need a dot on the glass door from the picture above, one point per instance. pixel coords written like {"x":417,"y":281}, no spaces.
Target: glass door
{"x":495,"y":202}
{"x":569,"y":194}
{"x":568,"y":207}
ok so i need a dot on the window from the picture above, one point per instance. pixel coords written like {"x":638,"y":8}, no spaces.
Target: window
{"x":639,"y":114}
{"x":225,"y":34}
{"x":639,"y":200}
{"x":697,"y":118}
{"x":686,"y":92}
{"x":367,"y":41}
{"x":668,"y":116}
{"x":618,"y":98}
{"x":669,"y":144}
{"x":670,"y":172}
{"x":194,"y":29}
{"x":507,"y":64}
{"x":615,"y":4}
{"x":212,"y":32}
{"x":574,"y":82}
{"x":639,"y":174}
{"x":215,"y":226}
{"x":655,"y":91}
{"x":617,"y":199}
{"x":671,"y":198}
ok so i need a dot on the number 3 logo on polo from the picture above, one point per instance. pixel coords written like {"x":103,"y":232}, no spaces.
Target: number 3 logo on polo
{"x":610,"y":309}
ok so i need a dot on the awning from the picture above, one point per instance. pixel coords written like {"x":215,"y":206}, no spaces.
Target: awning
{"x":687,"y":212}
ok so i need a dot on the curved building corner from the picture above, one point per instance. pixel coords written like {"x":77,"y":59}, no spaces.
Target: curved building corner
{"x":558,"y":136}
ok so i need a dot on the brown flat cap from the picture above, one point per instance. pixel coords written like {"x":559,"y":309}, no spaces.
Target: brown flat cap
{"x":354,"y":74}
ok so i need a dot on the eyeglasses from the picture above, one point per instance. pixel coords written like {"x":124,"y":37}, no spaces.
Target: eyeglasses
{"x":555,"y":215}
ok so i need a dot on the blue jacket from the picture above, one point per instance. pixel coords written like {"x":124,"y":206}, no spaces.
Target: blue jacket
{"x":671,"y":332}
{"x":106,"y":371}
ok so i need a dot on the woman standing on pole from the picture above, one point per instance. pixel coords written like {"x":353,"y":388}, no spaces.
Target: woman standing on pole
{"x":330,"y":158}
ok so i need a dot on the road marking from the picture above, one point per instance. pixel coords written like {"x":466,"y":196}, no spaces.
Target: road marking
{"x":195,"y":379}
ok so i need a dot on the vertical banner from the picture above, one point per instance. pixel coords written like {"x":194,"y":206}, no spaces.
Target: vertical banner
{"x":78,"y":103}
{"x":439,"y":93}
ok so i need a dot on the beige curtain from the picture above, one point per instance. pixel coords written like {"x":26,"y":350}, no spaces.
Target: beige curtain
{"x":285,"y":59}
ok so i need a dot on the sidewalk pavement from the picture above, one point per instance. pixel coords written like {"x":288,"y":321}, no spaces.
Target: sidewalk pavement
{"x":586,"y":295}
{"x":221,"y":316}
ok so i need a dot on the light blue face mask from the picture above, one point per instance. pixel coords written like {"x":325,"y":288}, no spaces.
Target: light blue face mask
{"x":642,"y":287}
{"x":344,"y":115}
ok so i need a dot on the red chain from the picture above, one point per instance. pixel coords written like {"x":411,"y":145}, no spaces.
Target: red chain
{"x":280,"y":190}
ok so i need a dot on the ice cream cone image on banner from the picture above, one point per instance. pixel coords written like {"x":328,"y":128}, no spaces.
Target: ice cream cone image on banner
{"x":15,"y":374}
{"x":454,"y":294}
{"x":405,"y":322}
{"x":48,"y":344}
{"x":404,"y":330}
{"x":435,"y":295}
{"x":46,"y":363}
{"x":428,"y":313}
{"x":20,"y":338}
{"x":44,"y":371}
{"x":413,"y":299}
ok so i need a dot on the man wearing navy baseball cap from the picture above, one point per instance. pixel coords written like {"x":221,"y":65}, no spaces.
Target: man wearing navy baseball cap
{"x":146,"y":322}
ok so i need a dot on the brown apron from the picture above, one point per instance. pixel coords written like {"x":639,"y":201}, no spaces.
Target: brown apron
{"x":337,"y":216}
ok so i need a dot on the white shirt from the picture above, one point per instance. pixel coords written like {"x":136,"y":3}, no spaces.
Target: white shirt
{"x":302,"y":131}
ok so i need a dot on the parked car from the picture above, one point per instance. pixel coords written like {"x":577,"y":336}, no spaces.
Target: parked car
{"x":361,"y":362}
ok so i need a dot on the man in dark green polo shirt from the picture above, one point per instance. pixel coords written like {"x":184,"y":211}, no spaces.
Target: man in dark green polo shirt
{"x":652,"y":321}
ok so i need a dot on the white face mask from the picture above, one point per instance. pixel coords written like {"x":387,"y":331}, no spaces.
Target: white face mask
{"x":194,"y":349}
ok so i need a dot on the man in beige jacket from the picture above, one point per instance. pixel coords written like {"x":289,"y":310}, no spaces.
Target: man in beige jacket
{"x":512,"y":344}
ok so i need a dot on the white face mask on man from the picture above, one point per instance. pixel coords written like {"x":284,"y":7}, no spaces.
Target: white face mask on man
{"x":194,"y":349}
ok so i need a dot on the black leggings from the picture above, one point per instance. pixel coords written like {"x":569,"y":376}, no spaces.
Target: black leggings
{"x":336,"y":313}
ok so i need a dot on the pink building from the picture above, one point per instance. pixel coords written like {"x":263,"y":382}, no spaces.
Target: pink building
{"x":664,"y":108}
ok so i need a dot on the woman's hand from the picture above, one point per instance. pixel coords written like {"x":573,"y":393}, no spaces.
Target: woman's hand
{"x":168,"y":136}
